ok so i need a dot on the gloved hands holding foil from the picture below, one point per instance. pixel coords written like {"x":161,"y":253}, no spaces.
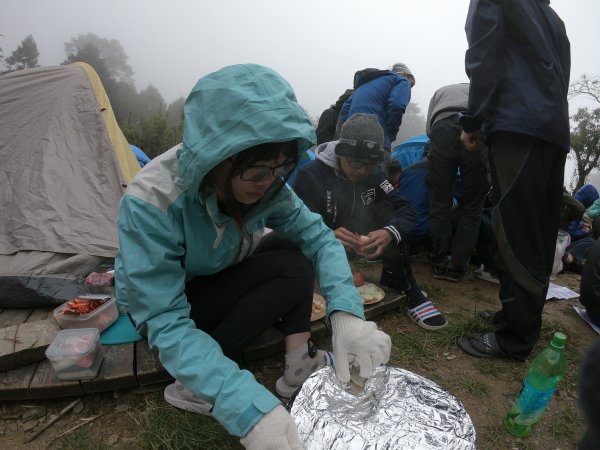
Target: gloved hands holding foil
{"x":359,"y":343}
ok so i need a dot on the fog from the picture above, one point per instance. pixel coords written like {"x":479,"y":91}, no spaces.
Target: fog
{"x":317,"y":45}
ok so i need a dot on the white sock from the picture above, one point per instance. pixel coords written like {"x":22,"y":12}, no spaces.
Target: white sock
{"x":299,"y":364}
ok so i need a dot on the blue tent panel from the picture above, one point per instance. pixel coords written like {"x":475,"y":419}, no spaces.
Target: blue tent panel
{"x":142,"y":158}
{"x":411,"y":150}
{"x":306,"y":157}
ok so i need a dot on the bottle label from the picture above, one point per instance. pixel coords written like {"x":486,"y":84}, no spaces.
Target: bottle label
{"x":531,"y":404}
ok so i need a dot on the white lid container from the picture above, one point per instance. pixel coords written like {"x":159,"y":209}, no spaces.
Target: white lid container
{"x":101,"y":317}
{"x":76,"y":354}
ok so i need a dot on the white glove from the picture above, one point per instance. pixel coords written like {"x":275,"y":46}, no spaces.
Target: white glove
{"x":357,"y":342}
{"x":275,"y":431}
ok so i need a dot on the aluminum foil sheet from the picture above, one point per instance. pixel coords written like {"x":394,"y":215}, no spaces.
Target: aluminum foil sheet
{"x":396,"y":409}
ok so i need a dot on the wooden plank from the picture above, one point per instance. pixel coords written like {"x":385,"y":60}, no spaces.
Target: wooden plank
{"x":25,"y":343}
{"x":116,"y":372}
{"x":11,"y":317}
{"x":149,"y":370}
{"x":14,"y":384}
{"x":45,"y":384}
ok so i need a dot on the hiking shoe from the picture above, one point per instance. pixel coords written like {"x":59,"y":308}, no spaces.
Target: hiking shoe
{"x":446,"y":273}
{"x":177,"y":395}
{"x":486,"y":276}
{"x":424,"y":313}
{"x":482,"y":345}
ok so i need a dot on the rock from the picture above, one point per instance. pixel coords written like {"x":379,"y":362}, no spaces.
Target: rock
{"x":33,"y":412}
{"x":29,"y":425}
{"x":121,"y":408}
{"x":78,"y":408}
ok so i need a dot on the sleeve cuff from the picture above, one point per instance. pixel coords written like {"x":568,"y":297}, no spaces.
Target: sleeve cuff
{"x":469,"y":123}
{"x":394,"y":232}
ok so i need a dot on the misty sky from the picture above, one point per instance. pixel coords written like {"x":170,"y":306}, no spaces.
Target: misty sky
{"x":317,"y":45}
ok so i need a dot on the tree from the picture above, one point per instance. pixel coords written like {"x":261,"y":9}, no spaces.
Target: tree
{"x":25,"y":56}
{"x":588,"y":86}
{"x":413,"y":123}
{"x":151,"y":102}
{"x":585,"y":135}
{"x":90,"y":54}
{"x":585,"y":144}
{"x":111,"y":52}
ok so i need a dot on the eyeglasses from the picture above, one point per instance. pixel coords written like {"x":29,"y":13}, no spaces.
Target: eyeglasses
{"x":356,"y":164}
{"x":255,"y":173}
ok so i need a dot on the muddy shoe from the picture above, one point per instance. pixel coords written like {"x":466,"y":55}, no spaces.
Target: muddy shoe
{"x":482,"y":346}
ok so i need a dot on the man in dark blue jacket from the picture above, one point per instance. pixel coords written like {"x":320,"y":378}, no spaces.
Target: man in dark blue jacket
{"x":346,"y":186}
{"x":385,"y":93}
{"x":518,"y":62}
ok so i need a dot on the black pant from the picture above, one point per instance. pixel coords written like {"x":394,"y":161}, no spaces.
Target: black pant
{"x":273,"y":287}
{"x":446,"y":156}
{"x":590,"y":284}
{"x":527,"y":175}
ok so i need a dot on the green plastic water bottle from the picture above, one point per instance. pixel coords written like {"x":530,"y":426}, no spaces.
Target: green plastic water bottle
{"x":545,"y":372}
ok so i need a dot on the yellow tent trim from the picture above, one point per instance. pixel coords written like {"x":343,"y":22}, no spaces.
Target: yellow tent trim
{"x":127,"y":161}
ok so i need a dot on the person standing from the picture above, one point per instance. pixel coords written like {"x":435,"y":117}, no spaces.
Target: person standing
{"x":384,"y":93}
{"x":329,"y":119}
{"x":518,"y":63}
{"x":447,"y":155}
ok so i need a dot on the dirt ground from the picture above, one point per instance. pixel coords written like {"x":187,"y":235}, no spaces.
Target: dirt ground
{"x":486,"y":387}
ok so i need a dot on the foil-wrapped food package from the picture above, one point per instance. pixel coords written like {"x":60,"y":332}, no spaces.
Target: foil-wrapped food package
{"x":395,"y":409}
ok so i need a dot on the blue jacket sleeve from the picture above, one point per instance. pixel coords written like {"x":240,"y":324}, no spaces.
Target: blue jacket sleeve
{"x":150,"y":275}
{"x":396,"y":106}
{"x":483,"y":59}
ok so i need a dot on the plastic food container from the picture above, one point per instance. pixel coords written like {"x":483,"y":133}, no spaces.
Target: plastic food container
{"x":76,"y":354}
{"x":101,"y":317}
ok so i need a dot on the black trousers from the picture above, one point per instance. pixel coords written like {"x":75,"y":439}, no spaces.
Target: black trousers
{"x":590,"y":284}
{"x":446,"y":156}
{"x":527,"y":175}
{"x":273,"y":287}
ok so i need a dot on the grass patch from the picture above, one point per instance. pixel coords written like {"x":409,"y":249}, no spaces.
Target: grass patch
{"x":565,"y":424}
{"x":77,"y":440}
{"x":409,"y":349}
{"x":456,"y":328}
{"x":474,"y":387}
{"x":168,"y":428}
{"x":492,"y":437}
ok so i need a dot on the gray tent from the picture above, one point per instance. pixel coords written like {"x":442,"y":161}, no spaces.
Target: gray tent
{"x":64,"y":164}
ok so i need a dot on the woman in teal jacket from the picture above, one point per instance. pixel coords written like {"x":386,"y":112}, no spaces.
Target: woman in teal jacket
{"x":197,"y":276}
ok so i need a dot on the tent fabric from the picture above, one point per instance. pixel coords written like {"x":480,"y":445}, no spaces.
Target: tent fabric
{"x":61,"y":180}
{"x":411,"y":150}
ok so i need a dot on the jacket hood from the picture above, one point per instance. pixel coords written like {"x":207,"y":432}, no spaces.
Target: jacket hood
{"x":233,"y":109}
{"x":587,"y":195}
{"x":326,"y":153}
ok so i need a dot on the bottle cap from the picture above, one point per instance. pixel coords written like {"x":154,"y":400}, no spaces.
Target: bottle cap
{"x":558,"y":340}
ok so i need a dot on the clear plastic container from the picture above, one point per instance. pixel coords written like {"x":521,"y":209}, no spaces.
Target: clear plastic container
{"x":76,"y":354}
{"x":100,"y":318}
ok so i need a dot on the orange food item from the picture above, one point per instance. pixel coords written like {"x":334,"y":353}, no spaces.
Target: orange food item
{"x":359,"y":278}
{"x":79,"y":306}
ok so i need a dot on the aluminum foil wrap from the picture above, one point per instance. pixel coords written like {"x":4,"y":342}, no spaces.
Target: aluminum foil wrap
{"x":396,"y":409}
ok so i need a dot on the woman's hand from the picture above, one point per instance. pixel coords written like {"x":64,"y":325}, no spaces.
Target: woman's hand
{"x":359,"y":343}
{"x":275,"y":431}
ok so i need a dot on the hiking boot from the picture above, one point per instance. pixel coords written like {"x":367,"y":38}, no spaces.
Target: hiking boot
{"x":446,"y":273}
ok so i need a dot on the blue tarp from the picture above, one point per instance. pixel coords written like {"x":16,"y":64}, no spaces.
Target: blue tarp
{"x":142,"y":158}
{"x":411,"y":150}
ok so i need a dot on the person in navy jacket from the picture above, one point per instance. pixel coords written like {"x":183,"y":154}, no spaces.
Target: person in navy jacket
{"x":518,"y":63}
{"x":348,"y":189}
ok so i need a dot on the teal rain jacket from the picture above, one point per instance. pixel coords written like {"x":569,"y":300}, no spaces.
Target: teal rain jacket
{"x":171,"y":230}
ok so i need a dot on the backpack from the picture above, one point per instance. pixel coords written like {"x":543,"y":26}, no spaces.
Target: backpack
{"x":329,"y":118}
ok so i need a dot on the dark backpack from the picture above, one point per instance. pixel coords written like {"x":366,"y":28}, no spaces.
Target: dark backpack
{"x":329,"y":118}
